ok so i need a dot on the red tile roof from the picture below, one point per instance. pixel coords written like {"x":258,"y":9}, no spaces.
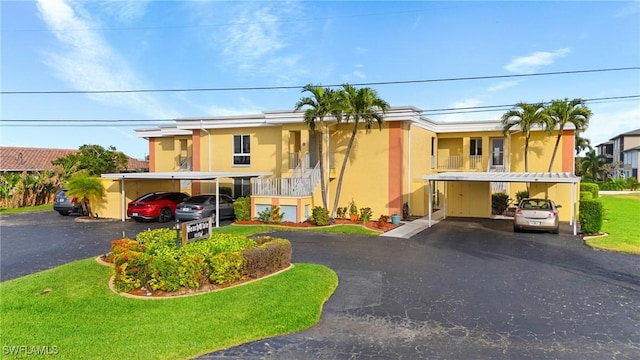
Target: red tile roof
{"x":20,"y":159}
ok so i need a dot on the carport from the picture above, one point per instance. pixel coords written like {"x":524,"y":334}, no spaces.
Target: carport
{"x":518,"y":177}
{"x":180,"y":175}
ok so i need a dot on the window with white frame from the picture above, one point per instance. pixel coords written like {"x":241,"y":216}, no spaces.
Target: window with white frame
{"x":241,"y":150}
{"x":476,"y":147}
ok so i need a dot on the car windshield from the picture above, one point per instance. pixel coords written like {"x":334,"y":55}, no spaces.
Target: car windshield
{"x":200,"y":199}
{"x":536,"y":204}
{"x":151,"y":197}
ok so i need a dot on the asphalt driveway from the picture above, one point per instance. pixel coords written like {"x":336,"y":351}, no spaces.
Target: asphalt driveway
{"x":464,"y":289}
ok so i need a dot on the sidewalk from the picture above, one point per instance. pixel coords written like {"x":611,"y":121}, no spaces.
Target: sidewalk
{"x":410,"y":228}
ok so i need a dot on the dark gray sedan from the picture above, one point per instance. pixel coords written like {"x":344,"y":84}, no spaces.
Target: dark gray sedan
{"x":204,"y":205}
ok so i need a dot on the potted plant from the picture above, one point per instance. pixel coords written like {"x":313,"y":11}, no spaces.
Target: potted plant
{"x":395,"y":219}
{"x":353,"y":211}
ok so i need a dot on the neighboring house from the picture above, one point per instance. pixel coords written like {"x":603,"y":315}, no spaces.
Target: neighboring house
{"x":625,"y":150}
{"x":385,"y":171}
{"x":21,"y":159}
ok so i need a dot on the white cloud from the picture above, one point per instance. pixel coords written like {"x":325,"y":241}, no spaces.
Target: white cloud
{"x":523,"y":64}
{"x":502,"y":85}
{"x":630,"y":9}
{"x":126,"y":11}
{"x":88,"y":62}
{"x":359,"y":74}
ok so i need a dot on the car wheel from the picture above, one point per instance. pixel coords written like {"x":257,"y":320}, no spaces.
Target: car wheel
{"x":64,"y":213}
{"x":138,"y":219}
{"x":165,"y":215}
{"x":556,"y":230}
{"x":516,"y":228}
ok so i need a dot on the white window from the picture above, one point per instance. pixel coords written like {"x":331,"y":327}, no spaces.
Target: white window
{"x":241,"y":150}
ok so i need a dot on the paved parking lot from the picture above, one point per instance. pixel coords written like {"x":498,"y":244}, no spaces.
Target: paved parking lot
{"x":464,"y":289}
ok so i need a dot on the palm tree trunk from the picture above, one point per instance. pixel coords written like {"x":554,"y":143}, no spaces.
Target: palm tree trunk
{"x":555,"y":150}
{"x":342,"y":168}
{"x":526,"y":158}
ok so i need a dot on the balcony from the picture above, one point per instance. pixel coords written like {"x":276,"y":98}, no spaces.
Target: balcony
{"x":457,"y":163}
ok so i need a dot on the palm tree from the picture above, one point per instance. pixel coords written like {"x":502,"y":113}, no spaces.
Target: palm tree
{"x":525,"y":116}
{"x":321,"y":103}
{"x":582,"y":143}
{"x":563,"y":112}
{"x":87,"y":188}
{"x":358,"y":105}
{"x":592,"y":163}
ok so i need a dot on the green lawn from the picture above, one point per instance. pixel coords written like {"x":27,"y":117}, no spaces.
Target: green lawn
{"x":71,"y":309}
{"x":26,"y":209}
{"x":621,"y":222}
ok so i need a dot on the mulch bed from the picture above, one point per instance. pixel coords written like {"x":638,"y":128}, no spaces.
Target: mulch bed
{"x":373,"y":225}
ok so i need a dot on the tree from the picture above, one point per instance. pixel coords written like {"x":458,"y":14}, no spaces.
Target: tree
{"x":360,"y":105}
{"x":592,"y":164}
{"x":322,"y":103}
{"x":88,"y":189}
{"x":582,"y":143}
{"x":564,"y":112}
{"x":525,"y":116}
{"x":94,"y":159}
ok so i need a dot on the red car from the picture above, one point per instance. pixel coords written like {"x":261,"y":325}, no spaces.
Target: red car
{"x":159,"y":206}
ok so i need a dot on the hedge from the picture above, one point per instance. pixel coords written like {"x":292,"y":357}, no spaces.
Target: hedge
{"x":586,"y":195}
{"x":594,"y":189}
{"x":591,"y":216}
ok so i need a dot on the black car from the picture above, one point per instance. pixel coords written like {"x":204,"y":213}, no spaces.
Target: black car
{"x":65,"y":205}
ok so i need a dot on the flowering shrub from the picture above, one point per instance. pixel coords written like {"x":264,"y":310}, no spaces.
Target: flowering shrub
{"x":156,"y":264}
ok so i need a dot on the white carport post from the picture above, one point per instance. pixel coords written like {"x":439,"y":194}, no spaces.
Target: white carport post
{"x":122,"y":199}
{"x":574,"y":194}
{"x":430,"y":201}
{"x":217,"y":202}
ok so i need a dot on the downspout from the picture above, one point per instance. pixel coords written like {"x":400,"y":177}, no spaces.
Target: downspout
{"x":208,"y":151}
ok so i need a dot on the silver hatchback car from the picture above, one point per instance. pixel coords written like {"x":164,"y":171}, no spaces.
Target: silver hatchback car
{"x":204,"y":205}
{"x":537,"y":214}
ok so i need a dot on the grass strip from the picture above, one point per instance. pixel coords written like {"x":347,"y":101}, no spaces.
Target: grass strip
{"x":72,"y":309}
{"x":621,"y":223}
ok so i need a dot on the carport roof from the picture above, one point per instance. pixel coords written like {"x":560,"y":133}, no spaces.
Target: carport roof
{"x":542,"y":177}
{"x":184,"y":175}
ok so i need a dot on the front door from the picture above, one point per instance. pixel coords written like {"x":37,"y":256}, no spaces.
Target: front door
{"x":497,"y":153}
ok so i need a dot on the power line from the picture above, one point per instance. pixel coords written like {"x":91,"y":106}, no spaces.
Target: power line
{"x":256,"y":88}
{"x":146,"y":122}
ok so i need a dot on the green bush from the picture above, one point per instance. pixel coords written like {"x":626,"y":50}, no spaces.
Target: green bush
{"x":615,"y":185}
{"x":341,"y":212}
{"x":365,"y":215}
{"x":242,"y":208}
{"x":265,"y":215}
{"x":524,"y":194}
{"x":226,"y":190}
{"x":320,"y":216}
{"x":632,"y":183}
{"x":164,"y":271}
{"x":591,"y":187}
{"x":276,"y":215}
{"x":226,"y":268}
{"x":586,"y":195}
{"x":130,"y":270}
{"x":591,"y":216}
{"x":499,"y":203}
{"x":156,"y":240}
{"x":122,"y":245}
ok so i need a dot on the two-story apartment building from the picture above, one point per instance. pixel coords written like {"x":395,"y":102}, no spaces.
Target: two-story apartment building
{"x":623,"y":149}
{"x":386,"y":169}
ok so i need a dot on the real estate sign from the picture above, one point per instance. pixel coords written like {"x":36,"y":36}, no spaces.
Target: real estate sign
{"x":196,"y":229}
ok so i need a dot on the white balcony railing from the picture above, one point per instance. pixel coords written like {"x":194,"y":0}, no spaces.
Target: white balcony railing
{"x":450,"y":162}
{"x":292,"y":186}
{"x":475,"y":162}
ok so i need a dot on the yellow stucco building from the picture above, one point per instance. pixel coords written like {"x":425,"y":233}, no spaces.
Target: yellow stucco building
{"x":385,"y":171}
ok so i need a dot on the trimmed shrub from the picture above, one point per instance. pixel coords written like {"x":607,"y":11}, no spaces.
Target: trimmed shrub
{"x":632,"y":183}
{"x":265,"y":215}
{"x":591,"y":216}
{"x":123,"y":245}
{"x":269,"y":257}
{"x":242,"y":208}
{"x":586,"y":195}
{"x":157,"y":240}
{"x":591,"y":187}
{"x":499,"y":203}
{"x":320,"y":216}
{"x":226,"y":190}
{"x":226,"y":268}
{"x":524,"y":194}
{"x":617,"y":185}
{"x":130,"y":270}
{"x":164,"y":271}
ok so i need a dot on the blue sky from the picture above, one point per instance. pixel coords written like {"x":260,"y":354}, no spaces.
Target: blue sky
{"x":66,"y":45}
